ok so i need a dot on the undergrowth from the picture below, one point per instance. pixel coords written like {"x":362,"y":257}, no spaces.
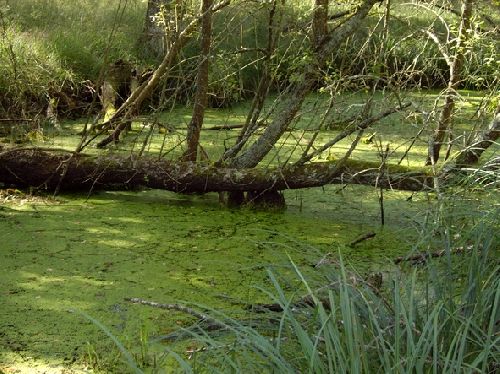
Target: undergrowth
{"x":47,"y":47}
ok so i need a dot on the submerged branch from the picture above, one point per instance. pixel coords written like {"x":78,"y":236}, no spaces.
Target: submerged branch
{"x":423,"y":257}
{"x":180,"y":308}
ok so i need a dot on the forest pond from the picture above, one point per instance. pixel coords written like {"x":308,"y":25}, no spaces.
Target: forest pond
{"x":91,"y":253}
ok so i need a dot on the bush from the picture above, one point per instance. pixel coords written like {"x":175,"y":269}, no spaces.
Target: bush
{"x":49,"y":47}
{"x":74,"y":40}
{"x":30,"y":69}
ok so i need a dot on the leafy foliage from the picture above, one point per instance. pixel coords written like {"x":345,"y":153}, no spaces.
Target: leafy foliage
{"x":74,"y":40}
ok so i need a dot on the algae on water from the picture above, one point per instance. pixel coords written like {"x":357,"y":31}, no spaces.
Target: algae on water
{"x":90,"y":254}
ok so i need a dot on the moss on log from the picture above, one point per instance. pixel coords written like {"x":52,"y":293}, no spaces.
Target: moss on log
{"x":49,"y":169}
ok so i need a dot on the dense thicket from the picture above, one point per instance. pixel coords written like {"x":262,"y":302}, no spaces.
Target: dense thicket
{"x":57,"y":49}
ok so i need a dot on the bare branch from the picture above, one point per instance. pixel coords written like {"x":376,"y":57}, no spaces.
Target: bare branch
{"x":363,"y":125}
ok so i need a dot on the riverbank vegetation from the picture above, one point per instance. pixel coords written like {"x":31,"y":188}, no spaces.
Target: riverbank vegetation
{"x":60,"y":48}
{"x":241,"y":186}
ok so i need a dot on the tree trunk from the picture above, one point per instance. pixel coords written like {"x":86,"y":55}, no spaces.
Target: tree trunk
{"x":320,"y":22}
{"x":201,"y":98}
{"x":292,"y":102}
{"x":385,"y":38}
{"x":25,"y":167}
{"x":154,"y":38}
{"x":456,"y":65}
{"x":481,"y":142}
{"x":144,"y":90}
{"x":117,"y":84}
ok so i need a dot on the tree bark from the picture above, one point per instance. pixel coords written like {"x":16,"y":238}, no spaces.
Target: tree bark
{"x":24,"y":167}
{"x":119,"y":80}
{"x":385,"y":38}
{"x":291,"y":103}
{"x":456,"y":65}
{"x":320,"y":22}
{"x":154,"y":37}
{"x":481,"y":142}
{"x":201,"y":98}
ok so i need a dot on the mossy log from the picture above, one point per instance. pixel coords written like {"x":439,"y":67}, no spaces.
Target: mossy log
{"x":62,"y":170}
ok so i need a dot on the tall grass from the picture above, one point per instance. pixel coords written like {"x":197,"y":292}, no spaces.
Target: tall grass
{"x":29,"y":70}
{"x":414,"y":327}
{"x":49,"y":47}
{"x":81,"y":32}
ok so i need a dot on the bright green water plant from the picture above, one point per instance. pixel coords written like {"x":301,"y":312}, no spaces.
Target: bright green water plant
{"x":435,"y":319}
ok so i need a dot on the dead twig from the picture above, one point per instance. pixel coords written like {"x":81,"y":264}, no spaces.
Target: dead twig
{"x":362,"y":238}
{"x":423,"y":257}
{"x":16,"y":120}
{"x":224,"y":127}
{"x":181,"y":308}
{"x":372,"y":282}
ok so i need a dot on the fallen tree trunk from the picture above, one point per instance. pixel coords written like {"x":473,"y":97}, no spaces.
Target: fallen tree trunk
{"x":41,"y":168}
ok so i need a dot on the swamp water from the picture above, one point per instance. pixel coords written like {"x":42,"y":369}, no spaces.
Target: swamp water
{"x":89,"y":254}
